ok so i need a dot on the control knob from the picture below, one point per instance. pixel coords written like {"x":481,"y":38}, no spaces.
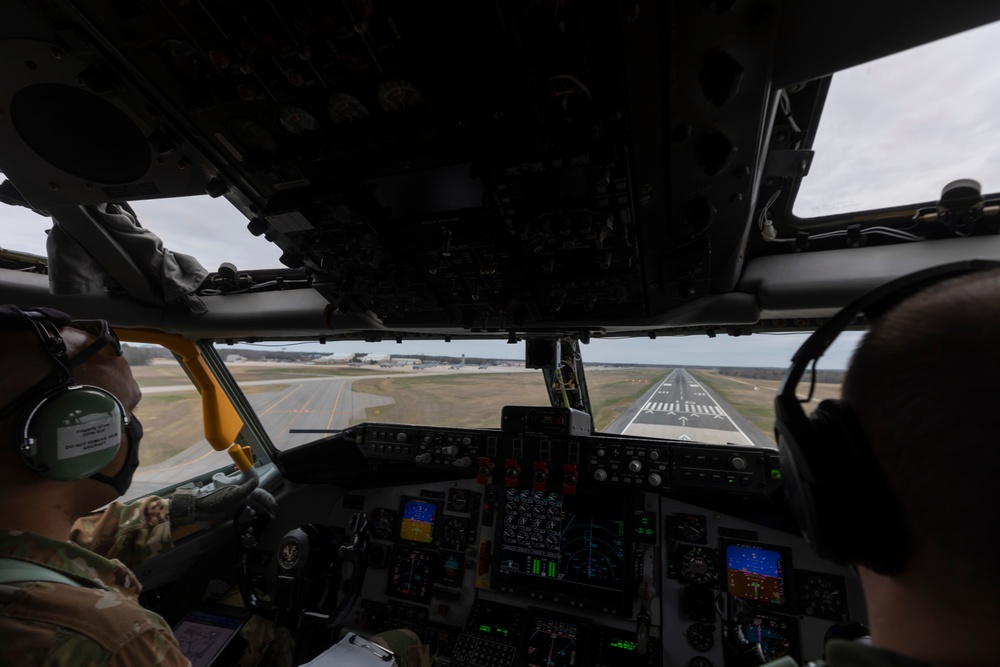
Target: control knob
{"x":449,"y":450}
{"x":635,"y":465}
{"x":600,"y":474}
{"x":654,"y":479}
{"x":738,"y":463}
{"x":424,"y":458}
{"x":463,"y":462}
{"x":401,"y":436}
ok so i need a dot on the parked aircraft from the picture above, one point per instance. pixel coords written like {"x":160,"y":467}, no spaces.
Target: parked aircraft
{"x":632,"y":182}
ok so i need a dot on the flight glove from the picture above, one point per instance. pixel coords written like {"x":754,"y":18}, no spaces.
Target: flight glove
{"x":216,"y":503}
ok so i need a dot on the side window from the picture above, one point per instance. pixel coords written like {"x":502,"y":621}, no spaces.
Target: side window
{"x":173,"y":449}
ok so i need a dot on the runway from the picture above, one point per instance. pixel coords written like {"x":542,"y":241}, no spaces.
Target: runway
{"x":676,"y":408}
{"x":680,"y":408}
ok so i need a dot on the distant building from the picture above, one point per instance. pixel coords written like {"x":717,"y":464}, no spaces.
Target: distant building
{"x":335,"y":358}
{"x":375,"y":358}
{"x":231,"y":358}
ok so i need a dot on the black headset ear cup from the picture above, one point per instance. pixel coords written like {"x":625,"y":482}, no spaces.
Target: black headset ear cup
{"x":72,"y":433}
{"x":854,"y":516}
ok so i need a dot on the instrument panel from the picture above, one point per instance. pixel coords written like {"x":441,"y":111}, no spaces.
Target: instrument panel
{"x":503,"y":569}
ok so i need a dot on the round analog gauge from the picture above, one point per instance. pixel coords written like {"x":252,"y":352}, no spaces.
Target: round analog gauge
{"x":525,"y":495}
{"x":540,"y":497}
{"x":565,"y":101}
{"x":699,"y":661}
{"x":512,"y":508}
{"x":698,"y":566}
{"x":252,"y":137}
{"x":384,"y":520}
{"x":701,"y":637}
{"x":188,"y":63}
{"x":691,"y":528}
{"x":458,"y":500}
{"x":288,"y":555}
{"x":554,"y":499}
{"x":554,"y":511}
{"x":821,"y":595}
{"x":454,"y":533}
{"x":399,"y":95}
{"x":344,"y":108}
{"x":451,"y":570}
{"x":296,"y":121}
{"x":512,"y":494}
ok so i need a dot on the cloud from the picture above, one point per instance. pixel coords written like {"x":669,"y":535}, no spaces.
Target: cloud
{"x":897,"y":130}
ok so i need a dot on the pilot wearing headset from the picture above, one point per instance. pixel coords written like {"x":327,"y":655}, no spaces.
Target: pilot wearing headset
{"x":69,"y":442}
{"x":898,"y":478}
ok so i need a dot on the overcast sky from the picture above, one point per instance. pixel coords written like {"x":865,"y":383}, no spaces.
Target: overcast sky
{"x":893,"y":132}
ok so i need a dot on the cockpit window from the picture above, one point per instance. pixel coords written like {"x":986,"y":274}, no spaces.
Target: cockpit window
{"x":718,"y":391}
{"x":895,"y":131}
{"x":180,"y":224}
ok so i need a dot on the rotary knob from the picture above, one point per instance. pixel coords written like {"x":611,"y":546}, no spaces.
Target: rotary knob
{"x":401,"y":437}
{"x":600,"y":474}
{"x":654,"y":479}
{"x":424,"y":458}
{"x":738,"y":463}
{"x":449,"y":450}
{"x":635,"y":465}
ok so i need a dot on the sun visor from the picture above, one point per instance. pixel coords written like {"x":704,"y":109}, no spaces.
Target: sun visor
{"x":96,"y":247}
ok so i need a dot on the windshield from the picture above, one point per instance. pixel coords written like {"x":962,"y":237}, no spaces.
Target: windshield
{"x":692,"y":388}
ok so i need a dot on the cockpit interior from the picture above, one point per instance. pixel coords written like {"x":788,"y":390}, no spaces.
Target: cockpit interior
{"x":544,"y":176}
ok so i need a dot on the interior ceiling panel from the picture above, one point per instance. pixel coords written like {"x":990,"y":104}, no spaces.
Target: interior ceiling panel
{"x":478,"y":165}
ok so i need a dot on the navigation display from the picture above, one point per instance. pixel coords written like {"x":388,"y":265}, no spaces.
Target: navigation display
{"x":571,"y":544}
{"x":756,"y":573}
{"x":553,"y":642}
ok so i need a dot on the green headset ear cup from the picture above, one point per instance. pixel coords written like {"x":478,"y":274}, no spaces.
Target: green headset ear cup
{"x":72,"y":433}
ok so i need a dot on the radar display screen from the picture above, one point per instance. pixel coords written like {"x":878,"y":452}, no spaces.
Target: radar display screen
{"x":573,"y":544}
{"x":756,"y":573}
{"x":410,"y":574}
{"x":418,"y":519}
{"x":553,"y":642}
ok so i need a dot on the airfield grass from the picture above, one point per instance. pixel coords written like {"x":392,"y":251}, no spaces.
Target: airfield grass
{"x":476,"y":400}
{"x":754,"y":399}
{"x":172,"y":421}
{"x":167,"y":374}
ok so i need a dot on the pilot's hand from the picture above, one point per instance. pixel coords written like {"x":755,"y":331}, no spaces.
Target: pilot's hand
{"x":210,"y":503}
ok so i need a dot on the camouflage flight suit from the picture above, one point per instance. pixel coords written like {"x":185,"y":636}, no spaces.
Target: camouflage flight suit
{"x":101,"y":622}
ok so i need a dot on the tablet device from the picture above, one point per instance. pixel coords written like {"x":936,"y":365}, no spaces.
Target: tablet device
{"x":207,"y":630}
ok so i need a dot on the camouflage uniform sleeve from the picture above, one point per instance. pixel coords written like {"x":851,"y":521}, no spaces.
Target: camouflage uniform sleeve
{"x":130,"y":532}
{"x":152,"y":650}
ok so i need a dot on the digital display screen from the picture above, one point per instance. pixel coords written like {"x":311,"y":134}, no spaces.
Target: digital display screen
{"x":411,"y":574}
{"x":573,"y":544}
{"x":499,"y":622}
{"x":756,"y":573}
{"x":553,"y":642}
{"x":417,"y":520}
{"x":203,"y":635}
